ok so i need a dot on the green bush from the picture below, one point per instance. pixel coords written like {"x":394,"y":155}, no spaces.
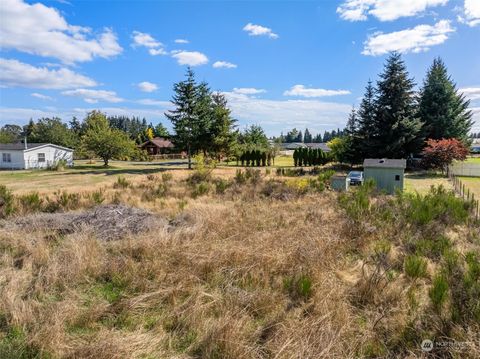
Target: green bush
{"x":201,"y":189}
{"x":221,"y":185}
{"x":299,"y":287}
{"x":122,"y":182}
{"x":97,"y":197}
{"x":438,"y":204}
{"x":31,"y":202}
{"x":7,"y":202}
{"x":240,"y":177}
{"x":357,"y":203}
{"x":415,"y":266}
{"x":439,"y":292}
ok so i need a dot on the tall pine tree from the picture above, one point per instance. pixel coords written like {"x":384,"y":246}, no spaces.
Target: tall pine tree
{"x":366,"y":127}
{"x":398,"y":128}
{"x":186,"y":123}
{"x":442,"y":109}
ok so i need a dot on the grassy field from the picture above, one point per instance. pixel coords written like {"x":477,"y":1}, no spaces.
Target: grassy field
{"x":472,"y":183}
{"x":187,"y":264}
{"x":280,"y":161}
{"x":83,"y":176}
{"x":421,"y":183}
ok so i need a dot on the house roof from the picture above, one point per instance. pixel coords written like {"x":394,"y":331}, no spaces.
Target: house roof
{"x":385,"y":163}
{"x":294,"y":145}
{"x":20,"y":146}
{"x":160,"y":142}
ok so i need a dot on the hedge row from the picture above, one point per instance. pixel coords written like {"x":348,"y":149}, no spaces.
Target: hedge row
{"x":310,"y":157}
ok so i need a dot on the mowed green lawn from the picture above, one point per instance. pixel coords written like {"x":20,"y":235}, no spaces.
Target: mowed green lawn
{"x":83,"y":176}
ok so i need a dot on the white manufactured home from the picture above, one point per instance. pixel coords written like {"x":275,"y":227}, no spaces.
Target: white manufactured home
{"x":33,"y":155}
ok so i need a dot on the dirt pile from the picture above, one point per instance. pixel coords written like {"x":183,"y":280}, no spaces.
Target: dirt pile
{"x":108,"y":222}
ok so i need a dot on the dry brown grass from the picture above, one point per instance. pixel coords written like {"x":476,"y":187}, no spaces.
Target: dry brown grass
{"x":241,"y":276}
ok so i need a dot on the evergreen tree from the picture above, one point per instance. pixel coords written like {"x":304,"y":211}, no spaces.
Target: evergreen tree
{"x":222,"y":127}
{"x":366,"y":128}
{"x":161,"y":131}
{"x":189,"y":132}
{"x":443,"y":111}
{"x":307,"y":137}
{"x":299,"y":137}
{"x":318,"y":138}
{"x":397,"y":128}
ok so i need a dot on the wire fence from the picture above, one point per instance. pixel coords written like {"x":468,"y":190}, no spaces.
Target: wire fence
{"x":464,"y":192}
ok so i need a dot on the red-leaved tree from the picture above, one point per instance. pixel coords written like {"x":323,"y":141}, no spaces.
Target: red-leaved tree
{"x":438,"y":154}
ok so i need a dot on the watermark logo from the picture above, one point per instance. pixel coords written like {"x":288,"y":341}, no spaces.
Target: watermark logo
{"x":427,"y":345}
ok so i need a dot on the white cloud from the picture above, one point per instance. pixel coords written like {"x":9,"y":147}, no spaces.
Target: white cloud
{"x":417,"y":39}
{"x":146,"y":86}
{"x":224,"y":64}
{"x":471,"y":13}
{"x":41,"y":96}
{"x":475,"y":118}
{"x":41,"y":30}
{"x":145,"y":40}
{"x":181,"y":41}
{"x":384,"y":10}
{"x":472,"y":93}
{"x":155,"y":52}
{"x":93,"y":96}
{"x":300,"y":90}
{"x":247,"y":91}
{"x":18,"y":74}
{"x":142,"y":39}
{"x":152,"y":102}
{"x":191,"y":58}
{"x":258,"y":30}
{"x":274,"y":115}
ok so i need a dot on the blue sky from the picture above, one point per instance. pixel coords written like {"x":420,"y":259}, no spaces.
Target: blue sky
{"x":280,"y":64}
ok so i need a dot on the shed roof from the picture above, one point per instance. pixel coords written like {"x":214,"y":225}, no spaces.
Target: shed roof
{"x":385,"y":163}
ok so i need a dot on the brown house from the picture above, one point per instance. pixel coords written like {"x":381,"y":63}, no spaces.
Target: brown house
{"x":158,"y":146}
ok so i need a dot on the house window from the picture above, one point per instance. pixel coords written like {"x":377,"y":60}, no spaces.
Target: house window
{"x":397,"y":177}
{"x":6,"y":157}
{"x":41,"y":157}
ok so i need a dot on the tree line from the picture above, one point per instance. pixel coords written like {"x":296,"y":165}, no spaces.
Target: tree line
{"x":295,"y":135}
{"x":55,"y":130}
{"x":395,"y":121}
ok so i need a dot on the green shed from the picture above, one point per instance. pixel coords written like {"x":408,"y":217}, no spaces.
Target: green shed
{"x":387,"y":173}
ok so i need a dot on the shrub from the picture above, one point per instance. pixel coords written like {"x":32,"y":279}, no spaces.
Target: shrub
{"x":221,"y":185}
{"x":58,"y":166}
{"x":122,"y":182}
{"x":201,"y":189}
{"x":415,"y":266}
{"x":357,"y":203}
{"x":7,"y":206}
{"x":438,"y":204}
{"x":31,"y":202}
{"x":439,"y":292}
{"x":240,"y":177}
{"x":299,"y":287}
{"x":432,"y":248}
{"x":255,"y":176}
{"x":166,"y":177}
{"x":98,"y":197}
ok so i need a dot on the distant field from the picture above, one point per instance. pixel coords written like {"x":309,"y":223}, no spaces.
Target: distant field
{"x":473,"y":160}
{"x":280,"y":161}
{"x":421,"y":183}
{"x":82,"y":176}
{"x":473,"y":183}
